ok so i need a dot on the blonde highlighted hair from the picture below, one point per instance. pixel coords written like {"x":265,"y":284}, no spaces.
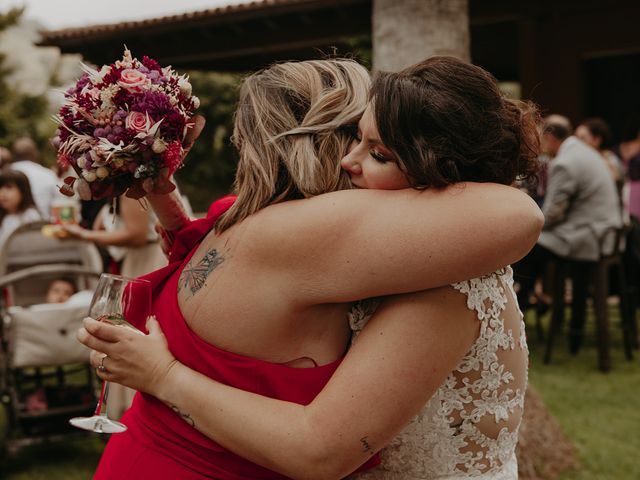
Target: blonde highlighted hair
{"x":292,"y":127}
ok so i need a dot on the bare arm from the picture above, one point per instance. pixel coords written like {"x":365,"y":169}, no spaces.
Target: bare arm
{"x":348,"y":245}
{"x":135,"y":222}
{"x":169,"y":207}
{"x":398,"y":362}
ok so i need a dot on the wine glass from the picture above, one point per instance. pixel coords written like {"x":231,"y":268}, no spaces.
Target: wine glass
{"x":120,"y":301}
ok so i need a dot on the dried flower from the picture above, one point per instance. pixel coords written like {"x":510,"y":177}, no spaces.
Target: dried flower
{"x":122,"y":126}
{"x":173,"y":156}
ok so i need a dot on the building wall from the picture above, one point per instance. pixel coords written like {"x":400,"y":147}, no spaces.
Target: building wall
{"x":560,"y":52}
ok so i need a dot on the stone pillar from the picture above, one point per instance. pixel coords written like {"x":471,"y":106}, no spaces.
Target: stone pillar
{"x":407,"y":31}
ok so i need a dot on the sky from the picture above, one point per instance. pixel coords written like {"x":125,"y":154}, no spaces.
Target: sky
{"x":55,"y":14}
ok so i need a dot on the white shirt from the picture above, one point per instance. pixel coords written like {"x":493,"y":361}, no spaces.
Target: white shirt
{"x":14,"y":220}
{"x":43,"y":182}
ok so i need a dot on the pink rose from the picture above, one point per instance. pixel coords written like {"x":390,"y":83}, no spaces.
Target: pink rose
{"x":133,"y":80}
{"x":136,"y":121}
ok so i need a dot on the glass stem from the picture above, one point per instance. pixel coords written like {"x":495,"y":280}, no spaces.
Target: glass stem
{"x":101,"y":407}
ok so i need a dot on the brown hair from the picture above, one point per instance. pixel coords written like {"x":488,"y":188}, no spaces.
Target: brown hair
{"x":446,"y":121}
{"x":24,"y":148}
{"x":20,"y":180}
{"x":291,"y":129}
{"x":557,"y":126}
{"x":599,"y":128}
{"x":68,"y":280}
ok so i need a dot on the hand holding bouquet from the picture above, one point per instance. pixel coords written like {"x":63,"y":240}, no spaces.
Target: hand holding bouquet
{"x":122,"y":129}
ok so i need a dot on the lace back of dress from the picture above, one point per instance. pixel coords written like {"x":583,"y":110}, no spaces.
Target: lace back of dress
{"x":469,"y":427}
{"x":483,"y":399}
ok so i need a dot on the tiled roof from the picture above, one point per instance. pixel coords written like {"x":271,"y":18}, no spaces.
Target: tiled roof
{"x":211,"y":13}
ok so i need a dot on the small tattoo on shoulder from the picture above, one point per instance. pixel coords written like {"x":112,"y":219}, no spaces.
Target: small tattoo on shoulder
{"x":193,"y":277}
{"x":364,"y":441}
{"x":185,"y":416}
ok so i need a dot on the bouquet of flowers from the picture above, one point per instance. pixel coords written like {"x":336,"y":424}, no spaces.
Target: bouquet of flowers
{"x":121,"y":129}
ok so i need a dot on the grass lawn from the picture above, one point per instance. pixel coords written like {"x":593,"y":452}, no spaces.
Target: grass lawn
{"x":71,"y":460}
{"x":599,"y":412}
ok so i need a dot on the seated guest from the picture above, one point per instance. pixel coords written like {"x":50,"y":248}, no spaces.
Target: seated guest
{"x":581,"y":203}
{"x":16,"y":203}
{"x":60,"y":290}
{"x":596,"y":133}
{"x":629,"y":152}
{"x":43,"y":182}
{"x":5,"y":156}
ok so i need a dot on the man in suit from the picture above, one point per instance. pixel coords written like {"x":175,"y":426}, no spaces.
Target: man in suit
{"x":580,"y":204}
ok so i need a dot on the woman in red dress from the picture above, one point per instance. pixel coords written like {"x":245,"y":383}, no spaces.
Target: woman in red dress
{"x":271,"y":285}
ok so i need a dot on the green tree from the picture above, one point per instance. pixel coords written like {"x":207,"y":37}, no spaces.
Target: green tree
{"x":210,"y":167}
{"x":361,"y":49}
{"x":21,"y":114}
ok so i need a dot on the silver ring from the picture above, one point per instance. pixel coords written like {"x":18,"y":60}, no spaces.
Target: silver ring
{"x":101,"y":367}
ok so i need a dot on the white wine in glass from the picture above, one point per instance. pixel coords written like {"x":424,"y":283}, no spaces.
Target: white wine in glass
{"x":121,"y":301}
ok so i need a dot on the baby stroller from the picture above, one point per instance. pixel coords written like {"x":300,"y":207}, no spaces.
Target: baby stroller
{"x":45,"y":377}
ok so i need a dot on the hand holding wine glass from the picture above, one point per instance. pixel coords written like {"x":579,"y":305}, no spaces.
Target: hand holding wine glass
{"x":123,"y":302}
{"x":141,"y":362}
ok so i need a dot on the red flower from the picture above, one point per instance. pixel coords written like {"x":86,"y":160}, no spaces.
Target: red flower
{"x":172,"y":156}
{"x":122,"y":98}
{"x":172,"y":125}
{"x":64,"y":134}
{"x":150,"y":63}
{"x":63,"y":160}
{"x":112,"y":77}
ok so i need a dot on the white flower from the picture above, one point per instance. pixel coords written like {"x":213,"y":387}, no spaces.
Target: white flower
{"x":108,"y":149}
{"x":196,"y":101}
{"x":94,"y":75}
{"x":102,"y":172}
{"x":127,"y":59}
{"x":185,"y":86}
{"x":97,"y":159}
{"x":89,"y":175}
{"x":159,"y":145}
{"x":107,"y":95}
{"x":104,"y":71}
{"x":94,"y":93}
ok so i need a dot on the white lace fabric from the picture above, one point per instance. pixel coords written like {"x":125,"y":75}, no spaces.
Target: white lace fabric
{"x":469,"y":427}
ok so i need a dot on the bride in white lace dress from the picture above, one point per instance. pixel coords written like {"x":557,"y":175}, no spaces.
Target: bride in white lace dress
{"x":469,"y":428}
{"x":438,"y":376}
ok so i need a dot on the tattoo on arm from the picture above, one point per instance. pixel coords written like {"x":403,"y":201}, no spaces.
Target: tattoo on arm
{"x":185,"y":416}
{"x":365,"y":446}
{"x":193,"y":277}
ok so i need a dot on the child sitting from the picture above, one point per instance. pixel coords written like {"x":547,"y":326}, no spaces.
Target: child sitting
{"x":60,"y":290}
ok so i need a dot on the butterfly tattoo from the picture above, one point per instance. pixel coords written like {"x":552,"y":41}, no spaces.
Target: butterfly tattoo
{"x":193,"y":277}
